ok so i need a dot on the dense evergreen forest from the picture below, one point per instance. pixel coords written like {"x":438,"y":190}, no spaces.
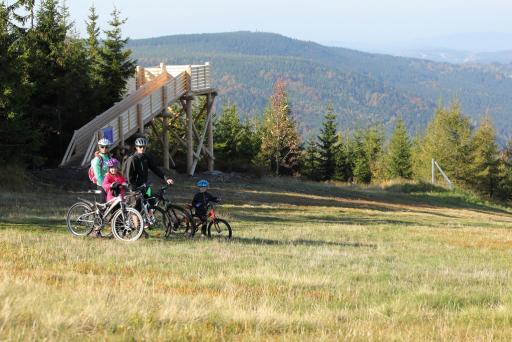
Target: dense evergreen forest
{"x":362,"y":87}
{"x":51,"y":80}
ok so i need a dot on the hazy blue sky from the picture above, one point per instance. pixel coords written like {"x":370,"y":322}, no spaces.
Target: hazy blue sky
{"x":324,"y":21}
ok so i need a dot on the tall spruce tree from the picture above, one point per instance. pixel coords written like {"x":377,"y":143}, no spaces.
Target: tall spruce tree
{"x":361,"y":158}
{"x":484,"y":167}
{"x":343,"y":158}
{"x":46,"y":46}
{"x":311,"y":161}
{"x":18,"y":140}
{"x":398,"y":160}
{"x":93,"y":48}
{"x":279,"y":137}
{"x":327,"y":141}
{"x":116,"y":64}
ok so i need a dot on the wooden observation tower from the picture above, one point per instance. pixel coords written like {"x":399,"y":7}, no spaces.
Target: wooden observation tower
{"x":150,"y":93}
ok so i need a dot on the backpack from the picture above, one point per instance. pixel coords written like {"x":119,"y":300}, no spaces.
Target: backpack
{"x":91,"y":175}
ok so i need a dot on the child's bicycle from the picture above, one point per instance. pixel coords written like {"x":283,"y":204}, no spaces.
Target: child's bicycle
{"x":85,"y":216}
{"x":159,"y":214}
{"x":216,"y":227}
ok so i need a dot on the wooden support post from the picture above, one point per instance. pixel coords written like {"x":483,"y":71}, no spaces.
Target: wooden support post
{"x":169,"y":156}
{"x":165,"y":142}
{"x":121,"y":133}
{"x":140,"y":77}
{"x":189,"y":78}
{"x":211,"y":159}
{"x":190,"y":138}
{"x":140,"y":121}
{"x":165,"y":124}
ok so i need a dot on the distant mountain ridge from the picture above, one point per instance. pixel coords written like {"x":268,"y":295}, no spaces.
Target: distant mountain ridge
{"x":363,"y":88}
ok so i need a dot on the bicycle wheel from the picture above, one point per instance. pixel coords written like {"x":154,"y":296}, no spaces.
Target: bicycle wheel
{"x":127,"y":224}
{"x":219,"y":228}
{"x":158,"y":222}
{"x":180,"y":221}
{"x":80,"y":219}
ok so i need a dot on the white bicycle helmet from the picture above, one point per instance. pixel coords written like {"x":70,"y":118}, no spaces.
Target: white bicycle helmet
{"x":141,"y":142}
{"x":104,"y":142}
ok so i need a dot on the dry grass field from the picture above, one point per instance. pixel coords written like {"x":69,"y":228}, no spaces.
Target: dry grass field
{"x":307,"y":262}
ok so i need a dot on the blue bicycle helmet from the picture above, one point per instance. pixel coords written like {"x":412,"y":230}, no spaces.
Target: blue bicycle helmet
{"x":202,"y":183}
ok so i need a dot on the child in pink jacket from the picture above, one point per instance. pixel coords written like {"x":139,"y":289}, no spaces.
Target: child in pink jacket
{"x":113,"y":180}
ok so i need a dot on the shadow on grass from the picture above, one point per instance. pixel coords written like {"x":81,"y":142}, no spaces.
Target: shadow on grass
{"x":272,"y":216}
{"x":378,"y":200}
{"x":299,"y":242}
{"x":35,"y":223}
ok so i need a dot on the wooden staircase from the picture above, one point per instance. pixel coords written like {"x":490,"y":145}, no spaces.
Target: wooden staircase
{"x":157,"y":88}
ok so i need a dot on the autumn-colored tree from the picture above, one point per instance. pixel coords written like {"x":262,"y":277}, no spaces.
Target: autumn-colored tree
{"x":279,"y":137}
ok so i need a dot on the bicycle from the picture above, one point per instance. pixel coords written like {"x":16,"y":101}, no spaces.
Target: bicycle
{"x":85,"y":216}
{"x":216,"y":227}
{"x":160,"y":214}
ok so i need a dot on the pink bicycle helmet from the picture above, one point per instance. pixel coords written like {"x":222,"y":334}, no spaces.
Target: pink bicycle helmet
{"x":113,"y":163}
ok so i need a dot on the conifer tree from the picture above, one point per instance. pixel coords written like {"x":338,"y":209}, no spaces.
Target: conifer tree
{"x":46,"y":49}
{"x":279,"y":136}
{"x":93,"y":47}
{"x":235,"y":141}
{"x":504,"y":189}
{"x":116,"y":64}
{"x":311,"y":161}
{"x":327,"y":141}
{"x":18,"y":140}
{"x":398,"y":161}
{"x":343,"y":158}
{"x":484,"y":167}
{"x":361,"y":161}
{"x":373,"y":138}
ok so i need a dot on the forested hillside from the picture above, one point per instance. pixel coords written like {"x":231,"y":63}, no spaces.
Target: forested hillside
{"x":362,"y":87}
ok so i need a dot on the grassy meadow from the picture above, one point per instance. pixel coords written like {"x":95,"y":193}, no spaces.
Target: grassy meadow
{"x":308,"y":261}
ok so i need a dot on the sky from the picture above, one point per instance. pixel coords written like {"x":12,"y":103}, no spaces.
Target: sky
{"x":331,"y":22}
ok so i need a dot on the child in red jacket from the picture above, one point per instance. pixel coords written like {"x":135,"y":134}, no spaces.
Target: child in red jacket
{"x":113,"y":180}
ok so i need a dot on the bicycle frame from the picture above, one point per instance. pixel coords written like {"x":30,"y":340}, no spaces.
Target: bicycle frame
{"x":99,"y":209}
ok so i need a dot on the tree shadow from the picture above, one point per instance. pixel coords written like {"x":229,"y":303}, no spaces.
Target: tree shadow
{"x":299,"y":242}
{"x":372,"y":199}
{"x":290,"y":217}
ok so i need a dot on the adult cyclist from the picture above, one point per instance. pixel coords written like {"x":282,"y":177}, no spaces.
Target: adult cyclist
{"x":99,"y":164}
{"x":139,"y":164}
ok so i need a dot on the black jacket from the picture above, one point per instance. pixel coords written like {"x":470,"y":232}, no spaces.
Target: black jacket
{"x":200,"y":201}
{"x":137,"y":169}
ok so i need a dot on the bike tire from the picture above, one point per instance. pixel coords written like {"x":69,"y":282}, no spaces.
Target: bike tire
{"x":127,"y":224}
{"x":80,"y":219}
{"x":160,"y":222}
{"x":180,"y":221}
{"x":221,"y":229}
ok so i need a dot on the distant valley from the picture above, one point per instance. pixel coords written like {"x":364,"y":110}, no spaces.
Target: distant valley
{"x":364,"y":88}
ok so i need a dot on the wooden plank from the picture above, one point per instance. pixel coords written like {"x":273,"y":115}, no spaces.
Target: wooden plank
{"x":71,"y":145}
{"x":91,"y":147}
